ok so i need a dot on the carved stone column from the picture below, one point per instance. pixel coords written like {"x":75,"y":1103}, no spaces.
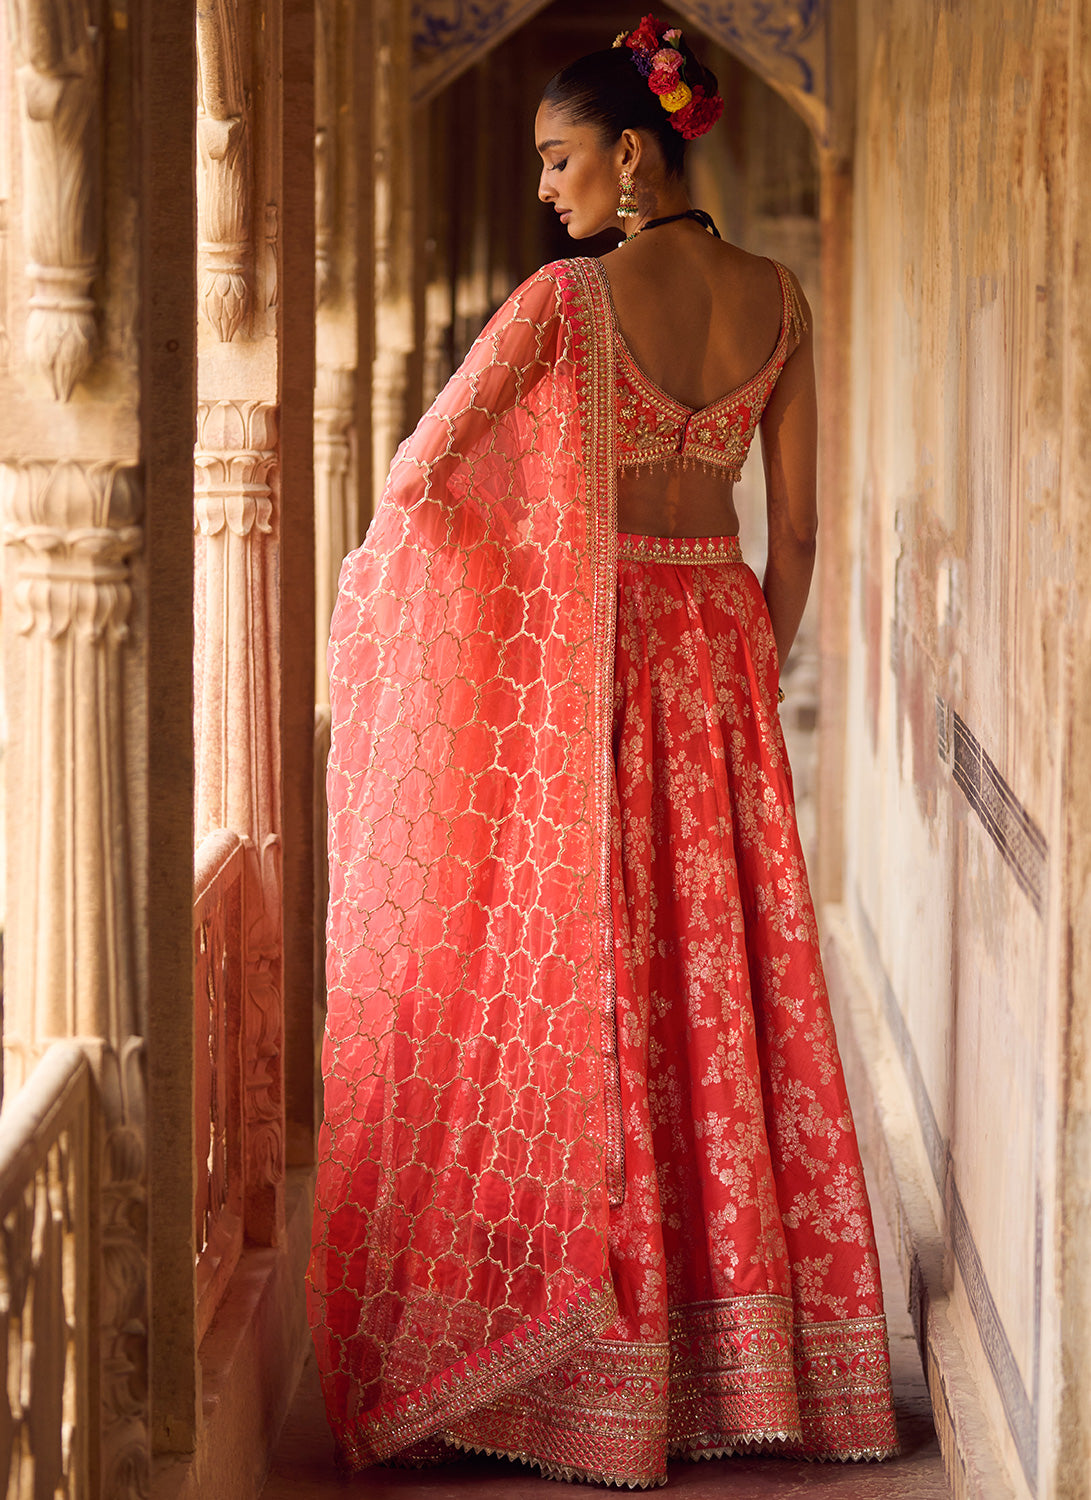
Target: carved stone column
{"x":224,"y":192}
{"x":72,"y":529}
{"x":335,"y":505}
{"x":236,"y":708}
{"x":58,"y":64}
{"x":236,"y":693}
{"x":394,"y":182}
{"x":325,"y":147}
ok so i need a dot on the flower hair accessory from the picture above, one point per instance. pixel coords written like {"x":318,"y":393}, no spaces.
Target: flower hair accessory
{"x":656,"y":53}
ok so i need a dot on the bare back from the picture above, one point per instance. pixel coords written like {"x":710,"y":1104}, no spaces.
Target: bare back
{"x":700,"y":317}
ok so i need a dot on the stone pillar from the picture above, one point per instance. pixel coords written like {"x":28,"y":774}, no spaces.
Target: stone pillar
{"x":94,"y":474}
{"x":835,"y":465}
{"x":73,"y":528}
{"x":236,"y":721}
{"x":240,"y":591}
{"x":344,"y":349}
{"x":834,"y":363}
{"x":236,"y":689}
{"x":342,"y":35}
{"x":393,"y":245}
{"x":336,"y":511}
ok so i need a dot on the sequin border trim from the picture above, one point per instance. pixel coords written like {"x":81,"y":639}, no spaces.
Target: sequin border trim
{"x":684,"y":551}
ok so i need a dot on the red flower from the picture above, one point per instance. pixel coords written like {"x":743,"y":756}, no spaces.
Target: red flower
{"x":698,"y":116}
{"x":662,"y":82}
{"x":646,"y":36}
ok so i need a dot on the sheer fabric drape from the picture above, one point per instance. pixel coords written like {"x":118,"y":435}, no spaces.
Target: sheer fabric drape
{"x":462,"y":1199}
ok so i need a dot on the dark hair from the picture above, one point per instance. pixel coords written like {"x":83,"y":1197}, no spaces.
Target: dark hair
{"x":606,"y":89}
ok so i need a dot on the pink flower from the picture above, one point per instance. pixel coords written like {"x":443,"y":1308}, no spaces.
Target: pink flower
{"x":667,"y":60}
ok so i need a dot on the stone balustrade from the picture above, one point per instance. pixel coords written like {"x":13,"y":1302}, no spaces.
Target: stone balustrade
{"x":219,"y":977}
{"x":48,"y":1245}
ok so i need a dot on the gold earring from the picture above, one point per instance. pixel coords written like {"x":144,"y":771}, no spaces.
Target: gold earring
{"x":627,"y":203}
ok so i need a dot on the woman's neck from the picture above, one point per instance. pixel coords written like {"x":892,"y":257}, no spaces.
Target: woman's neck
{"x":655,"y":200}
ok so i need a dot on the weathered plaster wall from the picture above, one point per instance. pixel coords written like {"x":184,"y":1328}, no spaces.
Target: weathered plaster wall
{"x":968,"y":606}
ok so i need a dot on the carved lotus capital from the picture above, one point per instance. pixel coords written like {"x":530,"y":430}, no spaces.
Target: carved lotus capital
{"x":75,"y":529}
{"x":237,"y":452}
{"x":334,"y":397}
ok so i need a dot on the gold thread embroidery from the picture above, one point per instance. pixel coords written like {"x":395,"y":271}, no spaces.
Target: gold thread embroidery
{"x":737,"y":1375}
{"x":688,"y":551}
{"x":598,"y":435}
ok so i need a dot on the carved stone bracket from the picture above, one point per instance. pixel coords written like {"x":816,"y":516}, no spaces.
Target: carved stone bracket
{"x":58,"y":65}
{"x":224,"y":193}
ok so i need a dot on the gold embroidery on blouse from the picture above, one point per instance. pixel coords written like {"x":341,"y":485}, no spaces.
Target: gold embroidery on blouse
{"x":653,"y":427}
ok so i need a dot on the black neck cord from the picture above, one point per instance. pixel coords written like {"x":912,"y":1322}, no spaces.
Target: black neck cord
{"x":705,"y":220}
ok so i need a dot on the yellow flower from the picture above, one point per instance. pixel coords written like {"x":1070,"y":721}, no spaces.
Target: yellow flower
{"x":676,"y":98}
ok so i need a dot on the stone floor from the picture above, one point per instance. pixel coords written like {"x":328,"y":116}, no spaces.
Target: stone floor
{"x":303,"y":1464}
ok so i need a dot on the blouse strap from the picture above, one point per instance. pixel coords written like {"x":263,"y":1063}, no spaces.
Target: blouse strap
{"x":792,"y":317}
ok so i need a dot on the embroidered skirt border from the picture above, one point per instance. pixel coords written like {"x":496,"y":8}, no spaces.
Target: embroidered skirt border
{"x":736,"y":1377}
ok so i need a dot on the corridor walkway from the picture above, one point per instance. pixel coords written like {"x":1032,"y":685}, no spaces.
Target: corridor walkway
{"x":303,"y":1464}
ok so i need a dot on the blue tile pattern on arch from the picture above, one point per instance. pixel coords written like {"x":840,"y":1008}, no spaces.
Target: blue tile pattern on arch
{"x":783,"y":28}
{"x":784,"y":41}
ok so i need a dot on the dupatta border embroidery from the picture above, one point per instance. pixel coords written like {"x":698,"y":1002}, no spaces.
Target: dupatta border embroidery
{"x":591,"y":350}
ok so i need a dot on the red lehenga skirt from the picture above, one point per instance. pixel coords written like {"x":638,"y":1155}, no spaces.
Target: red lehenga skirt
{"x":743,"y":1253}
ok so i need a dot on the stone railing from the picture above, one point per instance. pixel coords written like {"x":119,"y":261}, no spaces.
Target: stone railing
{"x":219,"y":977}
{"x":46,"y":1259}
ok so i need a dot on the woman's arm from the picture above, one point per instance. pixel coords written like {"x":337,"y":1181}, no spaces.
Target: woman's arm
{"x":518,"y":346}
{"x":789,"y":441}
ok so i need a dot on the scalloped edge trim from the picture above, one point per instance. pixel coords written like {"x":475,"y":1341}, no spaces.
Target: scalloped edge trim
{"x":781,"y":1445}
{"x":559,"y":1471}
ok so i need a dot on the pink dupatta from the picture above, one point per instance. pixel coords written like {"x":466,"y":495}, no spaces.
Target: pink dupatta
{"x":471,"y":1143}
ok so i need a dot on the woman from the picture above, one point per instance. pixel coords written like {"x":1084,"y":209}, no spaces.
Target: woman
{"x":589,"y":1193}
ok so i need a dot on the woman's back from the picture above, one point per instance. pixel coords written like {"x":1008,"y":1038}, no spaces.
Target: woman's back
{"x":699,"y":318}
{"x":699,"y":315}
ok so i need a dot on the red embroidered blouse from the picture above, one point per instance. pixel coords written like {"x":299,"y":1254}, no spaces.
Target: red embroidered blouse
{"x":653,"y":427}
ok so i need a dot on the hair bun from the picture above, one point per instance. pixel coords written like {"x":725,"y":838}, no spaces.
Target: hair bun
{"x":685,"y":88}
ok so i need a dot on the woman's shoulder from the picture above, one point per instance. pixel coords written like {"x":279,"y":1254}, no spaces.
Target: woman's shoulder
{"x":771,"y":278}
{"x":554,"y":290}
{"x":548,"y":285}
